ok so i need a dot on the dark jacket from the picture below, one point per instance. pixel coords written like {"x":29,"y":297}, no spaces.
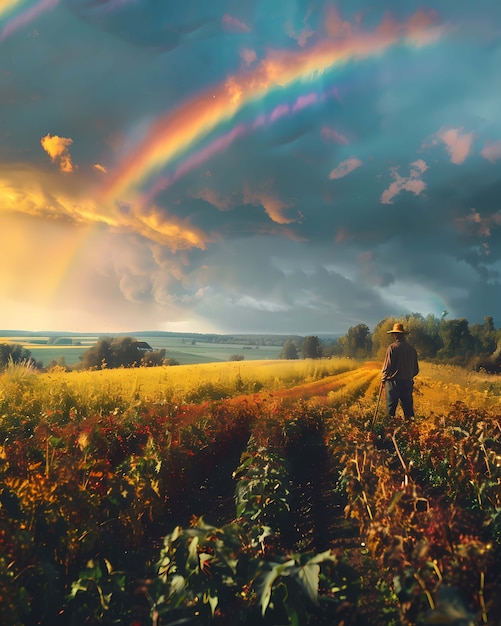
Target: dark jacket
{"x":400,"y":362}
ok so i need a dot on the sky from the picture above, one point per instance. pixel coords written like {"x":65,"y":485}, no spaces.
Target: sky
{"x":248,"y":166}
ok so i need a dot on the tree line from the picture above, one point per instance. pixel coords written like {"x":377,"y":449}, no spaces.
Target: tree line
{"x":454,"y":341}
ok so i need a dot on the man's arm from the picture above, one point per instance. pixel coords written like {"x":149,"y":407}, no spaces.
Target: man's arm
{"x":416,"y":367}
{"x":386,"y":370}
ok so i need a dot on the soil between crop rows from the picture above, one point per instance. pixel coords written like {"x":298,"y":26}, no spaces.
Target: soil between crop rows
{"x":316,"y":521}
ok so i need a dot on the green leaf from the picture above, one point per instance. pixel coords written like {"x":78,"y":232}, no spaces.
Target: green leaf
{"x":175,"y":534}
{"x":204,"y":561}
{"x":309,"y":575}
{"x":177,"y":584}
{"x":192,"y":551}
{"x":92,"y":571}
{"x":290,"y":607}
{"x":76,"y":586}
{"x":213,"y":600}
{"x":279,"y":569}
{"x":243,"y":466}
{"x":321,"y":557}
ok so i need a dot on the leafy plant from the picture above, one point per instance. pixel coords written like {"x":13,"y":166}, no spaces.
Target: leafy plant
{"x":98,"y":595}
{"x":207,"y":573}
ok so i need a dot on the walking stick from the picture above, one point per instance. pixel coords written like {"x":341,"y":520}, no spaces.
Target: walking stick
{"x":373,"y":420}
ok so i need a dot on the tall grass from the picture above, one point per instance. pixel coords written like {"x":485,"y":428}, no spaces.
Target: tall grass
{"x":61,"y":396}
{"x":27,"y":396}
{"x":442,"y":385}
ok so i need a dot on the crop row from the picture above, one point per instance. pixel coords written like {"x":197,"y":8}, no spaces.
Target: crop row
{"x":102,"y":490}
{"x":426,"y":496}
{"x":249,"y":571}
{"x":273,"y":508}
{"x":85,"y":505}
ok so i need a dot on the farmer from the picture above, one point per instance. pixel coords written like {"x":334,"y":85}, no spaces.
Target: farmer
{"x":399,"y":368}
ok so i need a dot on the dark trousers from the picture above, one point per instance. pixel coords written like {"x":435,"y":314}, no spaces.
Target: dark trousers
{"x":399,"y":390}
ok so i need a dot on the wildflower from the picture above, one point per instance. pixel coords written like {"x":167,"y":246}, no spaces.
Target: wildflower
{"x":83,"y":440}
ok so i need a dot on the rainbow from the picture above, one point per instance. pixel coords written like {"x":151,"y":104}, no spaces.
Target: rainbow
{"x":174,"y":133}
{"x":221,"y":143}
{"x":23,"y":17}
{"x":7,"y":6}
{"x":70,"y":259}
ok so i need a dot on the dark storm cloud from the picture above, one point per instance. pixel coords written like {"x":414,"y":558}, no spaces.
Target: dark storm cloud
{"x":150,"y":23}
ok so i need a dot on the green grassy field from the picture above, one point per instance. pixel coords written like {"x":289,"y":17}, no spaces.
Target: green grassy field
{"x":186,"y":352}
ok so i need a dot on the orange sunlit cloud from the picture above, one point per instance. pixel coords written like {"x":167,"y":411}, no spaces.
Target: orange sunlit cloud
{"x":478,"y":225}
{"x":24,"y":190}
{"x":23,"y":193}
{"x":275,"y":207}
{"x":333,"y":135}
{"x":220,"y":201}
{"x":170,"y":231}
{"x":412,"y":183}
{"x":345,"y":168}
{"x":57,"y":148}
{"x":492,"y":151}
{"x":457,"y":142}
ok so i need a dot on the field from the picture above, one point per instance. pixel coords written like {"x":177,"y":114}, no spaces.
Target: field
{"x":250,"y":493}
{"x":184,"y":351}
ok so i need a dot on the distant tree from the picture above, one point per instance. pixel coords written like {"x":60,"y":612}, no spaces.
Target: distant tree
{"x":332,"y":347}
{"x":432,"y":326}
{"x":170,"y":361}
{"x":311,"y":348}
{"x":456,"y":338}
{"x":126,"y":352}
{"x":490,"y":363}
{"x":380,"y":338}
{"x":16,"y":354}
{"x":289,"y":350}
{"x":153,"y":358}
{"x":99,"y":356}
{"x":59,"y":365}
{"x":484,"y":336}
{"x":119,"y":352}
{"x":495,"y":359}
{"x":236,"y":357}
{"x":423,"y":334}
{"x":357,"y":343}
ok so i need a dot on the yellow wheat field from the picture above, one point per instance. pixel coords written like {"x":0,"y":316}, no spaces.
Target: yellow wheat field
{"x":331,"y":382}
{"x":177,"y":383}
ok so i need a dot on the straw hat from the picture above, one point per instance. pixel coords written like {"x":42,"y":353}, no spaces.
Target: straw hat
{"x":397,"y":328}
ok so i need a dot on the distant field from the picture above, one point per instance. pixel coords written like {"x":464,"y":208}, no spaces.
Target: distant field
{"x":184,"y":351}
